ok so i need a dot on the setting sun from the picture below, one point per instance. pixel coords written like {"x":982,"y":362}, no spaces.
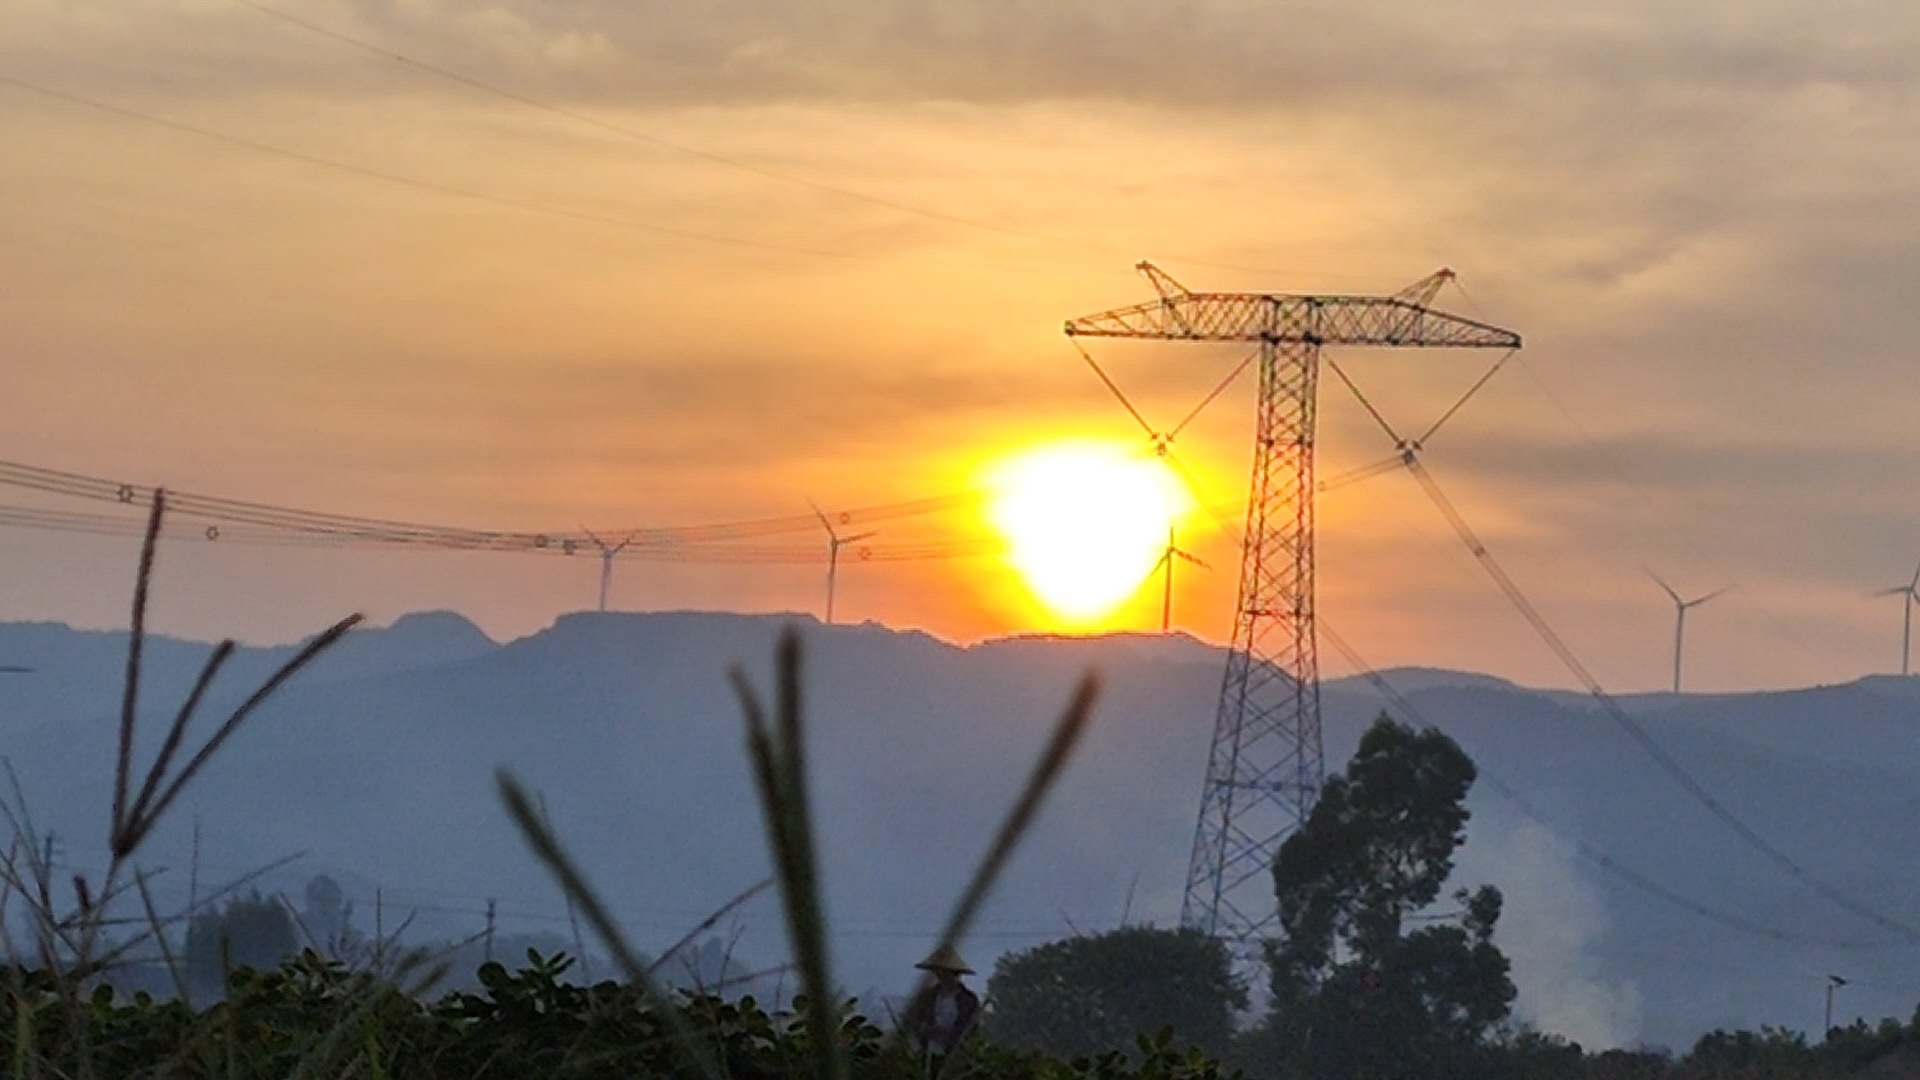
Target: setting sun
{"x":1084,"y":522}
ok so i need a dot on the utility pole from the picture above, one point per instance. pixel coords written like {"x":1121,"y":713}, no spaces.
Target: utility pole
{"x":1266,"y":764}
{"x":834,"y":543}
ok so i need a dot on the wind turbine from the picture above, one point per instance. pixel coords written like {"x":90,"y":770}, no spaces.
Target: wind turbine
{"x":1165,"y":567}
{"x":1680,"y":609}
{"x":607,"y":552}
{"x":1911,"y":590}
{"x":834,"y":543}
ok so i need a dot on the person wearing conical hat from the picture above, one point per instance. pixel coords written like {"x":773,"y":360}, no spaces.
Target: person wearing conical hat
{"x":943,"y":1013}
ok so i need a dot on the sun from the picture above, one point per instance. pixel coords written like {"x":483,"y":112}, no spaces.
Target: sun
{"x":1085,"y":522}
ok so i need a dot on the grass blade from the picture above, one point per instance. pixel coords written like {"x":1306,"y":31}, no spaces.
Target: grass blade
{"x":780,"y":773}
{"x":707,"y":923}
{"x":136,"y":642}
{"x":1047,"y":770}
{"x":137,"y":830}
{"x":178,"y":732}
{"x":1066,"y":735}
{"x":546,"y":847}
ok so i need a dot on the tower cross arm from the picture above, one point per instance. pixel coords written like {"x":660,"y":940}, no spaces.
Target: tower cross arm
{"x":1380,"y":321}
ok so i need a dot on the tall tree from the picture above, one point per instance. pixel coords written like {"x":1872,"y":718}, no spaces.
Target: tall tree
{"x":251,"y":931}
{"x":1089,"y":994}
{"x":1355,"y":992}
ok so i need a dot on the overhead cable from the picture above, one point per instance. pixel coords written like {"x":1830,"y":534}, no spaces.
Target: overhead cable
{"x":709,"y":156}
{"x":1584,"y":849}
{"x":1634,"y":729}
{"x":355,"y":528}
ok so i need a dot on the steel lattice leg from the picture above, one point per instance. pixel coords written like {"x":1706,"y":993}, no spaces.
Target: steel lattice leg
{"x":1266,"y":764}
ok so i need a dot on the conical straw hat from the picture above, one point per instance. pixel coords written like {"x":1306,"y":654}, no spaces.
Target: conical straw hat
{"x":945,"y":958}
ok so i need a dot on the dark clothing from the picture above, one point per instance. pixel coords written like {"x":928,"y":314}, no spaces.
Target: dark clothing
{"x":943,"y":1016}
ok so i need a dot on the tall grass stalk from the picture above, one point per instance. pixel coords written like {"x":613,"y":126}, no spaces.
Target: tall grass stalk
{"x":547,"y":848}
{"x":777,"y":753}
{"x":69,"y":945}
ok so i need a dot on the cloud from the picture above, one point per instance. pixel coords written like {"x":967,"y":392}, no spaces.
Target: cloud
{"x":1700,"y":216}
{"x":1207,"y":54}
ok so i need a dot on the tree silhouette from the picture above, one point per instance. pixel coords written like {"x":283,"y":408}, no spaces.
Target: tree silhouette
{"x":1355,"y":993}
{"x":1089,"y":994}
{"x":252,"y":931}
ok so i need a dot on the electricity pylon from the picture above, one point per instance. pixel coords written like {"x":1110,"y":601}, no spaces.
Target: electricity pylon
{"x":1266,"y":764}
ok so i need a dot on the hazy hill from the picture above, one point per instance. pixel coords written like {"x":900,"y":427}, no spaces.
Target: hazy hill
{"x":380,"y":766}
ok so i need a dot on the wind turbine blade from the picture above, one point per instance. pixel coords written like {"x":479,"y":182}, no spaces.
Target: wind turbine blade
{"x":1214,"y":393}
{"x":1915,"y":583}
{"x":1710,"y":596}
{"x":1115,"y":389}
{"x":824,"y":523}
{"x":1194,"y":559}
{"x":859,"y":536}
{"x":1668,"y":589}
{"x":1897,"y":590}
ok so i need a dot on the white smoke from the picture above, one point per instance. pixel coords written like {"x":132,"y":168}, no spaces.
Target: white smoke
{"x":1551,"y":920}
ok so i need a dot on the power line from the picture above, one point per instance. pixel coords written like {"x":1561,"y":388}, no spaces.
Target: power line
{"x":1571,"y":661}
{"x":1667,"y":763}
{"x":723,"y":160}
{"x":1784,"y":628}
{"x":1585,"y":850}
{"x":664,"y":542}
{"x":432,"y":186}
{"x":80,"y":524}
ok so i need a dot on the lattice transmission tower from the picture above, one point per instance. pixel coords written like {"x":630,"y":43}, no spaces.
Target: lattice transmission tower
{"x":1266,"y":763}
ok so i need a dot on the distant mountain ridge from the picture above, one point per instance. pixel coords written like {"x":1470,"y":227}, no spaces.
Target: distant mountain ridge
{"x":379,"y":762}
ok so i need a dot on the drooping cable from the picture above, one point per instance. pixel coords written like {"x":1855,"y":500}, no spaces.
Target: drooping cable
{"x":1634,"y":729}
{"x":83,"y":524}
{"x":1466,"y":397}
{"x":707,"y":155}
{"x":346,"y":527}
{"x":1584,"y":849}
{"x":1365,"y":402}
{"x":432,"y":186}
{"x":1114,"y":389}
{"x":1218,"y":389}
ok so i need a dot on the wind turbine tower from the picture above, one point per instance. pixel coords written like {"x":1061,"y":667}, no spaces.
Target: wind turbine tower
{"x":1165,"y":566}
{"x":1911,"y":590}
{"x":1680,"y":609}
{"x":834,"y":543}
{"x":607,"y":554}
{"x":1266,"y":764}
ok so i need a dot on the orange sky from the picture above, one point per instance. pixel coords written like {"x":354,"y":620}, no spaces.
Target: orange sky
{"x":1699,"y":218}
